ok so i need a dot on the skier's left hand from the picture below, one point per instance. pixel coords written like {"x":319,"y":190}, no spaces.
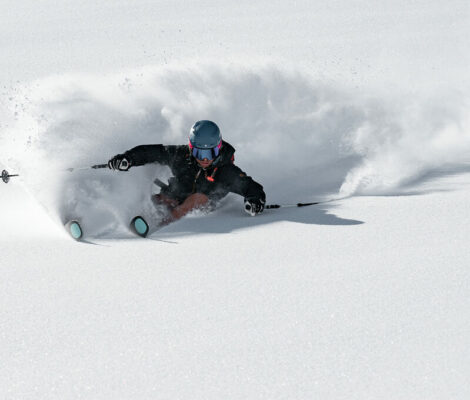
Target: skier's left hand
{"x":254,"y":206}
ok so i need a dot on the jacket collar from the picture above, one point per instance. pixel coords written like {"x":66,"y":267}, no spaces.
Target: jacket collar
{"x":226,"y":153}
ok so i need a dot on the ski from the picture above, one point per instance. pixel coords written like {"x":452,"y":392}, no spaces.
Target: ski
{"x":74,"y":229}
{"x":139,"y":226}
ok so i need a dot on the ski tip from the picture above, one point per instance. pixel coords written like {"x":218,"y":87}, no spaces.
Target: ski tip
{"x":74,"y":229}
{"x":139,"y":226}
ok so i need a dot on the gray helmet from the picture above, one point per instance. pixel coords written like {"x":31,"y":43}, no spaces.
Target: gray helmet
{"x":205,"y":140}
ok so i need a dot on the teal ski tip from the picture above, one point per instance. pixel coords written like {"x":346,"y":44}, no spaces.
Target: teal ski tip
{"x":75,"y":230}
{"x":139,"y":226}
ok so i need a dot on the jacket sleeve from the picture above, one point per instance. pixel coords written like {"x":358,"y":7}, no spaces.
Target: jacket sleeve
{"x":236,"y":181}
{"x":150,"y":153}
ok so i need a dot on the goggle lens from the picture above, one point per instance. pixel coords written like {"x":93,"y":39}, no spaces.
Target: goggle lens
{"x":210,"y":154}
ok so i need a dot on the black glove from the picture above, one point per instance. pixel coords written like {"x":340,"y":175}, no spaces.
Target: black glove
{"x":254,"y":206}
{"x":119,"y":162}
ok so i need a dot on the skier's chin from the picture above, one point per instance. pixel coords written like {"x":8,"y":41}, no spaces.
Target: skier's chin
{"x":204,"y":164}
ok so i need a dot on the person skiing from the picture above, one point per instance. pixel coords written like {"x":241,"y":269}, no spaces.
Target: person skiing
{"x":203,"y":172}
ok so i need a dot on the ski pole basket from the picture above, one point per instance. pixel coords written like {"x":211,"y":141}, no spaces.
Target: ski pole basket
{"x":6,"y":177}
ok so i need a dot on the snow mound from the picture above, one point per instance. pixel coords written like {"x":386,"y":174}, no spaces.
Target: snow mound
{"x":302,"y":139}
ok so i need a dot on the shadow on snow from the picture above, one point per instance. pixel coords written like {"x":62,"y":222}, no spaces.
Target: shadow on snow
{"x":231,"y":218}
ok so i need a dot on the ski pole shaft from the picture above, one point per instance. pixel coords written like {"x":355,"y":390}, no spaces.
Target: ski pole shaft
{"x":291,"y":205}
{"x":98,"y":166}
{"x":270,"y":206}
{"x":6,"y":176}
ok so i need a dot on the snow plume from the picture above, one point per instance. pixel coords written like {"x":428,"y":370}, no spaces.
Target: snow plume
{"x":302,"y":139}
{"x":406,"y":142}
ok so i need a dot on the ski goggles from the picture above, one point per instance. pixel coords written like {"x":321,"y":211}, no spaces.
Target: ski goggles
{"x":201,"y":154}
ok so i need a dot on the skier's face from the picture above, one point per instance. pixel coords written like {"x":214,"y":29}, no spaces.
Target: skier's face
{"x":205,"y":163}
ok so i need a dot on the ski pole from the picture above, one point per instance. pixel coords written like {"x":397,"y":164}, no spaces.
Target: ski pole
{"x":6,"y":176}
{"x":270,"y":206}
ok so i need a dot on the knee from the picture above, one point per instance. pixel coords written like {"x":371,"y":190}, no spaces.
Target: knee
{"x":192,"y":202}
{"x":197,"y":199}
{"x":161,"y":199}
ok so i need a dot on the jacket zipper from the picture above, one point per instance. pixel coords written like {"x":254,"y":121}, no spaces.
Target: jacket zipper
{"x":195,"y":179}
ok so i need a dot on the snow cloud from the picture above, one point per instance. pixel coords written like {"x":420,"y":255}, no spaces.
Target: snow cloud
{"x":302,"y":139}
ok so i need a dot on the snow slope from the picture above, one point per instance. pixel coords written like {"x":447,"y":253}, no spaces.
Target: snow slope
{"x":367,"y":298}
{"x":361,"y":298}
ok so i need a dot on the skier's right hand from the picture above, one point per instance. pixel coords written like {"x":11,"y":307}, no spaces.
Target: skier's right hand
{"x":254,"y":206}
{"x":119,"y":162}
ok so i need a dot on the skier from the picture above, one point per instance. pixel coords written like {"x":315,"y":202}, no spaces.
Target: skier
{"x":203,"y":172}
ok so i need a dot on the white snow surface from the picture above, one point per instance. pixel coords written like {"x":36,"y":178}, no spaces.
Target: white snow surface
{"x":365,"y":297}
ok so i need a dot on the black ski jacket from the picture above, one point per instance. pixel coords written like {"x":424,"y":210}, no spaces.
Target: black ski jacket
{"x":188,"y":177}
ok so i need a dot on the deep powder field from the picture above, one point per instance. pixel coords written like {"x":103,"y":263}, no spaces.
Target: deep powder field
{"x":364,"y":297}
